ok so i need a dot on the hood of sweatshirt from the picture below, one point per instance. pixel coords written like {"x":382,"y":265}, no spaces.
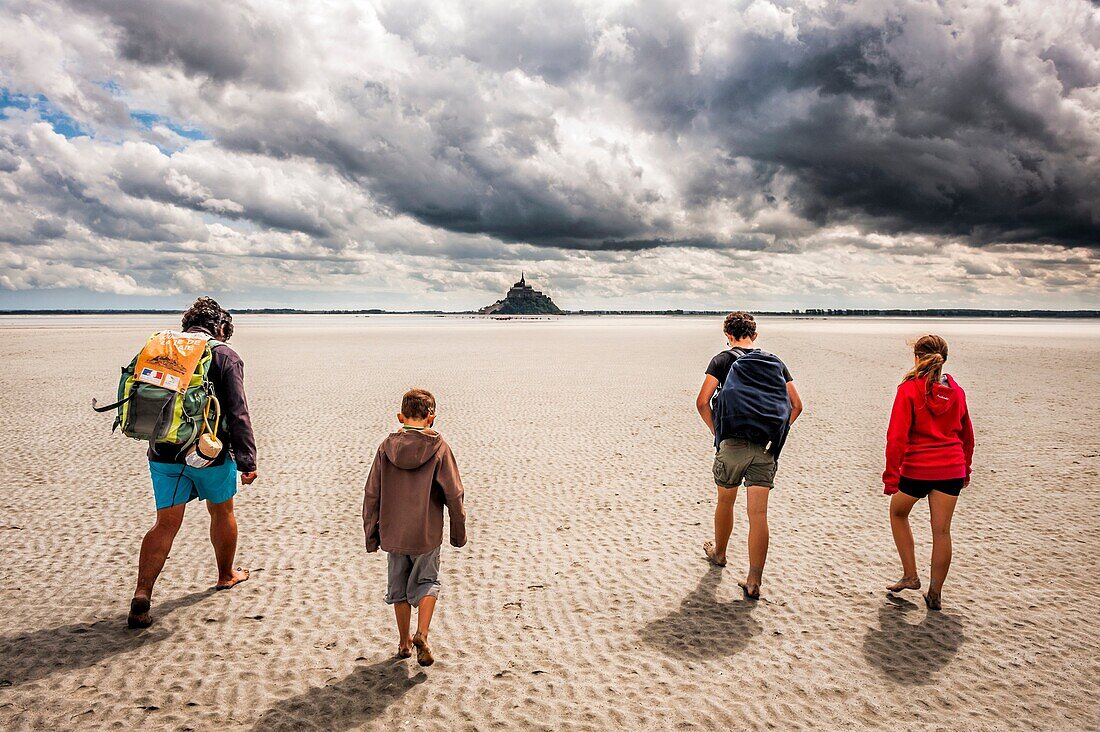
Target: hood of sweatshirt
{"x":409,"y":449}
{"x":943,"y":396}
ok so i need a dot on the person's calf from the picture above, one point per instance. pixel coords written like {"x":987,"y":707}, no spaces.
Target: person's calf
{"x":424,"y":611}
{"x":223,"y":536}
{"x":759,"y":537}
{"x":155,"y":547}
{"x":403,"y":614}
{"x":759,"y":540}
{"x":723,"y":525}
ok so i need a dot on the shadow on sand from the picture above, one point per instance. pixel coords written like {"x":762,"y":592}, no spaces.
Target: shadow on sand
{"x":65,"y":648}
{"x":353,"y":701}
{"x":911,"y":653}
{"x":703,"y":627}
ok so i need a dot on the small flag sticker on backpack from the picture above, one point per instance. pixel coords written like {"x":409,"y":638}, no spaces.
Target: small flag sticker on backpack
{"x":151,"y":376}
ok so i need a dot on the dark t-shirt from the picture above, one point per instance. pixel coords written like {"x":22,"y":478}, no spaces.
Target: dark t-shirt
{"x":720,"y":365}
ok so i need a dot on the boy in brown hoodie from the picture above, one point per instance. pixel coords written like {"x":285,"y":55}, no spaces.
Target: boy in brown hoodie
{"x":414,"y":474}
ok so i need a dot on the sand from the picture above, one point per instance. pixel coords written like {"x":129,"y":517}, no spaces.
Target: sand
{"x":582,"y":600}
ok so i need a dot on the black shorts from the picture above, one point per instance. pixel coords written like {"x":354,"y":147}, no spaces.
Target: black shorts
{"x":921,"y":488}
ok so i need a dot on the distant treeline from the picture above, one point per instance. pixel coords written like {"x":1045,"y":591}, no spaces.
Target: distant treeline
{"x":812,"y":312}
{"x":957,"y":313}
{"x":865,"y":313}
{"x":238,"y":311}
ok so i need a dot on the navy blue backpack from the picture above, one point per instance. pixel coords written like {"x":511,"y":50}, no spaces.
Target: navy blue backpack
{"x":753,"y":401}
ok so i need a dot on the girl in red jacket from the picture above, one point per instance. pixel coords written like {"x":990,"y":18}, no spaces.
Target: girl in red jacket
{"x":929,"y":446}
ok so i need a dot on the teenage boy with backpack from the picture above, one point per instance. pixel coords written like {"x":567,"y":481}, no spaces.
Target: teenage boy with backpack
{"x":748,"y":400}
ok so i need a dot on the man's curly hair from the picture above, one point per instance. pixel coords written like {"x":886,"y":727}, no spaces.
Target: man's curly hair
{"x":740,"y":325}
{"x":206,"y":313}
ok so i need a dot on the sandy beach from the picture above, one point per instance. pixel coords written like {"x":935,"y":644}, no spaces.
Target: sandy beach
{"x":582,"y":600}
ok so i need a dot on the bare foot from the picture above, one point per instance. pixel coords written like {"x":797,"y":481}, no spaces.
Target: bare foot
{"x":932,"y":600}
{"x":239,"y":575}
{"x":905,"y":583}
{"x":139,"y":616}
{"x":423,"y":650}
{"x":405,"y":649}
{"x":713,"y":558}
{"x":751,"y":589}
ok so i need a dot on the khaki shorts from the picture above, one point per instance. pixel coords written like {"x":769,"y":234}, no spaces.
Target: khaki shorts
{"x":740,"y":460}
{"x":412,"y":578}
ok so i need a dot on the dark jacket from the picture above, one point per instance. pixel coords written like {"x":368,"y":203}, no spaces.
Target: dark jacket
{"x":413,"y":475}
{"x":235,"y":429}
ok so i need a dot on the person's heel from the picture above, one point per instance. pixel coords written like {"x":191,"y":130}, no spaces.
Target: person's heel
{"x":423,"y":651}
{"x":139,"y":616}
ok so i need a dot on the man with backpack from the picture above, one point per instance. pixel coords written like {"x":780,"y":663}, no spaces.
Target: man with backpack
{"x":748,"y":400}
{"x":176,"y":481}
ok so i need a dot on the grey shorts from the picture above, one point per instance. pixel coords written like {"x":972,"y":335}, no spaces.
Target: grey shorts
{"x":412,"y":578}
{"x":740,"y":460}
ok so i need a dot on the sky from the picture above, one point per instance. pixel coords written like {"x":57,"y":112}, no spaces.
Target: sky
{"x":420,"y":154}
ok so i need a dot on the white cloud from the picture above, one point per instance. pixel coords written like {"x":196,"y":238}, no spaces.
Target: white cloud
{"x":634,"y":154}
{"x":765,"y":19}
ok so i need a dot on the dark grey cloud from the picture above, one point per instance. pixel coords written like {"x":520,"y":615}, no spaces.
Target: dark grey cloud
{"x":873,"y":128}
{"x":220,"y":41}
{"x":440,"y":165}
{"x":279,"y":216}
{"x":48,"y":228}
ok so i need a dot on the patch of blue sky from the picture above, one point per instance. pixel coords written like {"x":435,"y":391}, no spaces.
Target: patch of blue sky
{"x":240,"y":224}
{"x":149,"y":119}
{"x":112,"y":86}
{"x":47,"y":111}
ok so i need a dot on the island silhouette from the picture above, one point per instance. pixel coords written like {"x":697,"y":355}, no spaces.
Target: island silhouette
{"x":522,"y":299}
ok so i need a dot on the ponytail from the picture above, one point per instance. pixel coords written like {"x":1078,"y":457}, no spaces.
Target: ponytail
{"x":931,"y":354}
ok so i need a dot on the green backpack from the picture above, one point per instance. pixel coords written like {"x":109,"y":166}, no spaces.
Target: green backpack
{"x":163,"y":416}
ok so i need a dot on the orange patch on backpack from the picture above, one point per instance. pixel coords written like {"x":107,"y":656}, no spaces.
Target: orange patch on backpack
{"x":169,"y":359}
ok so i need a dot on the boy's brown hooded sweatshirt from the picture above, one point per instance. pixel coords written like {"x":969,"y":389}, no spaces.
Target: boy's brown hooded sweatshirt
{"x":413,"y":475}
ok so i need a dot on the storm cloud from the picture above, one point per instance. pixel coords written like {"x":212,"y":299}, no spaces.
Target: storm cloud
{"x":566,"y":134}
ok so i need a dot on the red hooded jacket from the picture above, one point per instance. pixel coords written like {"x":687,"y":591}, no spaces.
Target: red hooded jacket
{"x":930,"y":436}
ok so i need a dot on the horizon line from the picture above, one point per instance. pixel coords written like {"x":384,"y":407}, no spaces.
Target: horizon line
{"x":795,"y":312}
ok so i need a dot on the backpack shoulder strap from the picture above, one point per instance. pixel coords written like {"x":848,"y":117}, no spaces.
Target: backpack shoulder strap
{"x":736,"y":352}
{"x":208,"y":358}
{"x":758,"y":355}
{"x":740,"y":353}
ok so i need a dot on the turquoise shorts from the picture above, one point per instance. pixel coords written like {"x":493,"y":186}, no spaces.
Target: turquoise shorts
{"x":176,"y":483}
